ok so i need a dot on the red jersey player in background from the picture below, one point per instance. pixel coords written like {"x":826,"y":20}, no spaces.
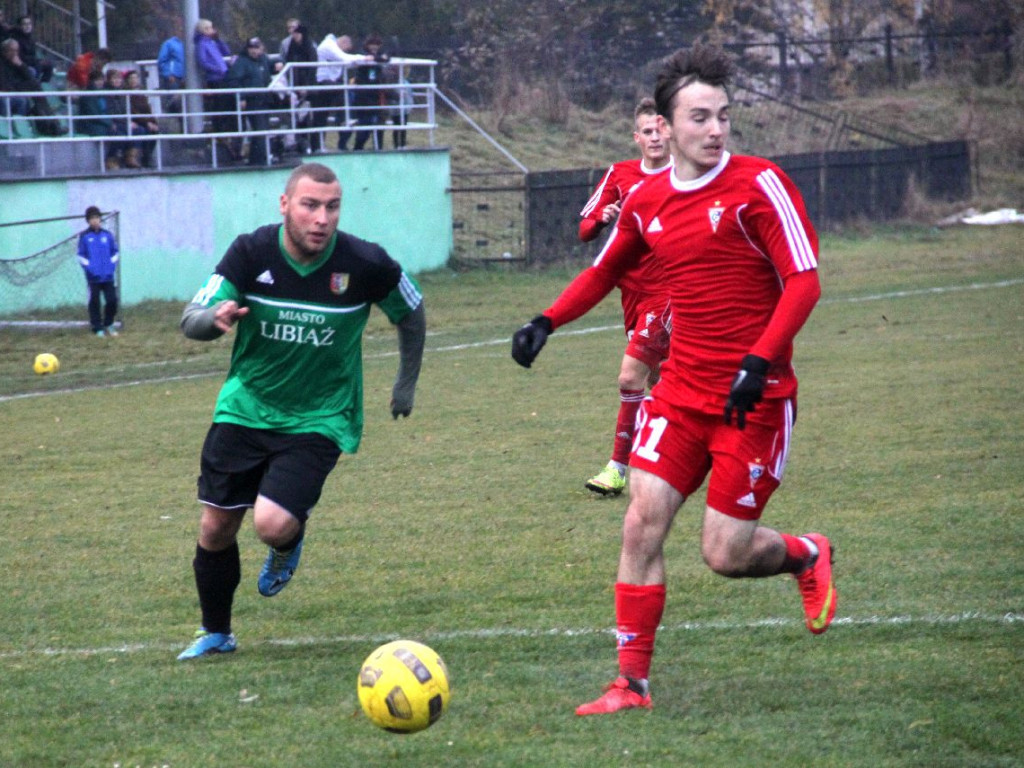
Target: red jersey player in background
{"x":644,"y":301}
{"x":739,"y":257}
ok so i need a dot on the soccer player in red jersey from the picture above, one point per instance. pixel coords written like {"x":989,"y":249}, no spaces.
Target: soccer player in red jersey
{"x":644,"y":302}
{"x":739,"y":257}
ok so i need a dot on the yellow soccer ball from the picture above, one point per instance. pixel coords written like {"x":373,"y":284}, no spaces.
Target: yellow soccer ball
{"x":403,"y":687}
{"x":46,"y":363}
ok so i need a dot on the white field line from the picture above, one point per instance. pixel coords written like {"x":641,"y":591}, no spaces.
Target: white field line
{"x":1015,"y":620}
{"x":508,"y":340}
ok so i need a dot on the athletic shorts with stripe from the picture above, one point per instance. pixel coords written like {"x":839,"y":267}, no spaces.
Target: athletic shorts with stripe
{"x":648,"y":339}
{"x":681,"y":446}
{"x":239,"y":463}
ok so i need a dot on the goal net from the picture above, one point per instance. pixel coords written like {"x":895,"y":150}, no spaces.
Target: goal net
{"x":47,"y":287}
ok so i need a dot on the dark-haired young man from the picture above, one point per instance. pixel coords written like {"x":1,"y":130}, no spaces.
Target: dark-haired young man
{"x":644,"y":301}
{"x":300,"y":294}
{"x":739,"y":258}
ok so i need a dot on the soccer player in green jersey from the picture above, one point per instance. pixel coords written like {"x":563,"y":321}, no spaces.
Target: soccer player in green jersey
{"x":299,"y":294}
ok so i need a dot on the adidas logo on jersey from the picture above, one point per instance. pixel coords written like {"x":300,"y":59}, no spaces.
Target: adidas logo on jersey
{"x":266,"y":278}
{"x":747,"y":501}
{"x":655,"y":226}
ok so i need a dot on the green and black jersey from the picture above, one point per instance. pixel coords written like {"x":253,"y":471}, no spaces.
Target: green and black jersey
{"x":296,"y":364}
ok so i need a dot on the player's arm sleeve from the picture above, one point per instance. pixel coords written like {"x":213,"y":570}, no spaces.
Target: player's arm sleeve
{"x":412,"y":333}
{"x":800,"y":294}
{"x":404,"y":308}
{"x":590,"y":229}
{"x":603,"y":194}
{"x":782,"y":224}
{"x":620,"y":253}
{"x":197,"y":318}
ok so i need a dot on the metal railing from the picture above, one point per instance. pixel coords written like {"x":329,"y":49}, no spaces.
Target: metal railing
{"x":207,"y":127}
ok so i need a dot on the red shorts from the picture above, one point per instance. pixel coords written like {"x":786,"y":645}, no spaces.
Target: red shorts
{"x":649,"y":338}
{"x":681,"y":446}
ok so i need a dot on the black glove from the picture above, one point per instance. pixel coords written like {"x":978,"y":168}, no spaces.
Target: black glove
{"x":747,"y":389}
{"x":529,"y":340}
{"x":400,"y":409}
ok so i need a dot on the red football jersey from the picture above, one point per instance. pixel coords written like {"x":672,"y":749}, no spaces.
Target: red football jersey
{"x":640,"y":286}
{"x":727,"y":245}
{"x":617,"y":182}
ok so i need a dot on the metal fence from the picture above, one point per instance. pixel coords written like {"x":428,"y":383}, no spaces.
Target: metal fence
{"x":209,"y":127}
{"x":846,"y":169}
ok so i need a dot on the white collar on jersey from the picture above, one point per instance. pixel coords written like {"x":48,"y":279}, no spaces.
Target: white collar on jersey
{"x":701,"y":181}
{"x":646,"y":170}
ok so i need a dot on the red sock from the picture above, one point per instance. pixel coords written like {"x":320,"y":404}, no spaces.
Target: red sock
{"x":638,"y":612}
{"x":798,"y":554}
{"x":629,"y":404}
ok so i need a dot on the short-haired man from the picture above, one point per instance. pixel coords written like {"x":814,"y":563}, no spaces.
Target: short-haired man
{"x":644,"y":301}
{"x":338,"y":52}
{"x":291,"y":25}
{"x":299,"y":294}
{"x":739,"y":258}
{"x":42,"y":69}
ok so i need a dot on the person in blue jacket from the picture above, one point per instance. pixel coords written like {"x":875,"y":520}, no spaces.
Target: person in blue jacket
{"x":98,"y":254}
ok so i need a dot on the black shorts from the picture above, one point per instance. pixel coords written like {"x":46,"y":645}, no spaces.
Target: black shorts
{"x":240,"y":463}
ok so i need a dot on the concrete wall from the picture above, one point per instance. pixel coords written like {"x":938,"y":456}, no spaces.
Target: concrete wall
{"x":175,"y":228}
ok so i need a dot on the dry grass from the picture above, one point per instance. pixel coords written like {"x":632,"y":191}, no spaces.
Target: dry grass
{"x":942,"y":110}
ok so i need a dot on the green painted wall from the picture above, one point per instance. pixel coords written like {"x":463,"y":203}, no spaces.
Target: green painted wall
{"x":174,"y":229}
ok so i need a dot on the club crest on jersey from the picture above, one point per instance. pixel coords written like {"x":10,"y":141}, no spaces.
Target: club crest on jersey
{"x":715,"y":217}
{"x":339,"y":282}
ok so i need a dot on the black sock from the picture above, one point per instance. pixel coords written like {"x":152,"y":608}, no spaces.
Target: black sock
{"x":217,"y":577}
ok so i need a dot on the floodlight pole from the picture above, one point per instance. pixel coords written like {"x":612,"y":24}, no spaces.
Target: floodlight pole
{"x":190,"y":12}
{"x":101,"y":23}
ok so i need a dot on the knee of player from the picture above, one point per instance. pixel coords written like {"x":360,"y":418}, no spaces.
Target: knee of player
{"x":632,"y":377}
{"x":274,"y":525}
{"x":723,"y":562}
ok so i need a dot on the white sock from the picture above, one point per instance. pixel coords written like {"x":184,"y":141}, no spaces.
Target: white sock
{"x":814,"y":550}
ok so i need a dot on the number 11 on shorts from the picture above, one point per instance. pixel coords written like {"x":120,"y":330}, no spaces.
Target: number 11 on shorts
{"x":654,"y":430}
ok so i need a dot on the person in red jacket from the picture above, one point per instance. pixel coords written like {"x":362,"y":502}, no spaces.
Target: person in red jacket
{"x":739,"y":259}
{"x":644,"y":301}
{"x":79,"y":71}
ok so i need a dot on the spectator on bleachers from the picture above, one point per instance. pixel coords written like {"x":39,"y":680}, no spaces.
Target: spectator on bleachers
{"x":5,"y":28}
{"x":142,"y":122}
{"x":302,"y":49}
{"x":337,"y":51}
{"x":170,"y":65}
{"x":16,"y":77}
{"x":41,"y":68}
{"x":371,"y":101}
{"x":211,"y":53}
{"x":251,"y":70}
{"x":94,"y":118}
{"x":286,"y":42}
{"x":80,"y":71}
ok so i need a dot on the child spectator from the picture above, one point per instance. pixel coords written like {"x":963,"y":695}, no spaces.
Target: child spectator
{"x":98,"y":254}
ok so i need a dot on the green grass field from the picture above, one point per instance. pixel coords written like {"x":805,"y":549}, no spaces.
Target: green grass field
{"x":467,"y":527}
